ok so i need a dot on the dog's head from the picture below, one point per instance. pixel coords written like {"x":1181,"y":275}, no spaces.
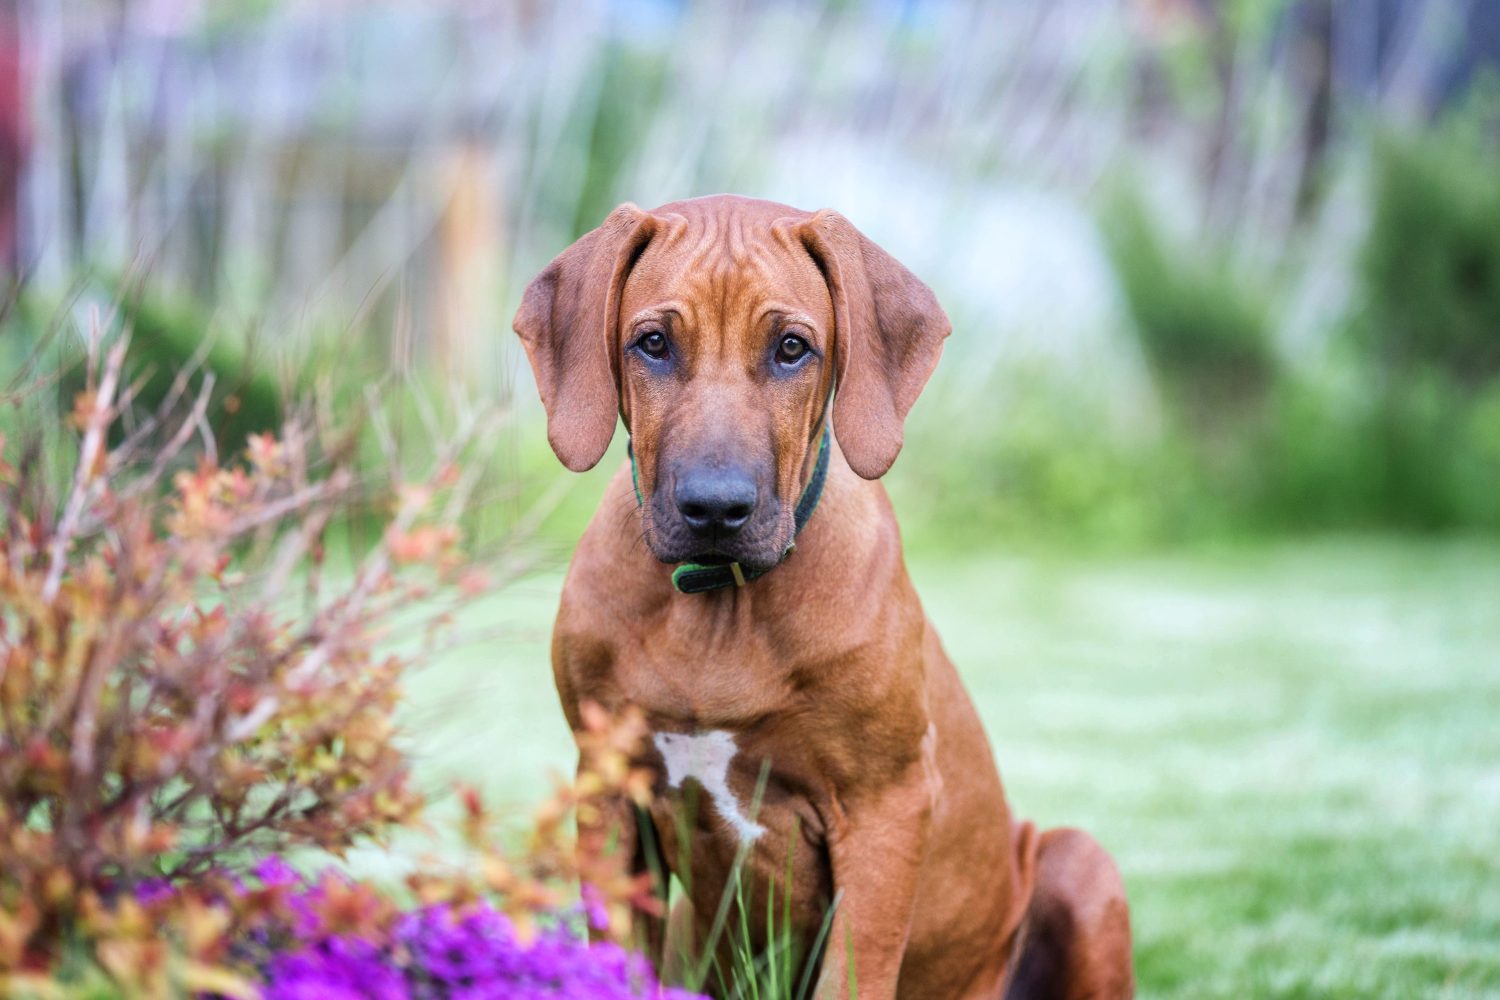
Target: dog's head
{"x":719,"y":328}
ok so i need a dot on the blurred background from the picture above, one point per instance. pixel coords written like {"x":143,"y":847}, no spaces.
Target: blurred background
{"x":1215,"y":267}
{"x":1204,"y":496}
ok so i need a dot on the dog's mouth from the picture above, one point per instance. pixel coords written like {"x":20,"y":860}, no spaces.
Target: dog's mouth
{"x":750,"y":558}
{"x":675,"y":545}
{"x":714,"y":557}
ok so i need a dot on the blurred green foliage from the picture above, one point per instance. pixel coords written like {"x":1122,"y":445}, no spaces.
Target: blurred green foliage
{"x":1428,"y":326}
{"x":169,"y":334}
{"x":1396,"y":428}
{"x":1035,"y":461}
{"x":630,"y":88}
{"x":1205,"y":333}
{"x":1431,"y":265}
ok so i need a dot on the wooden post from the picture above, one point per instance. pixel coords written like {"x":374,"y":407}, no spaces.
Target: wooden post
{"x":469,"y":269}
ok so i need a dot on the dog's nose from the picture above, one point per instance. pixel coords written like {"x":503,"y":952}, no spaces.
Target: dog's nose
{"x":715,"y":500}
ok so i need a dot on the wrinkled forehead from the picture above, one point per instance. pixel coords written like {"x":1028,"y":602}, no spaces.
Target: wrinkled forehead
{"x":726,"y":272}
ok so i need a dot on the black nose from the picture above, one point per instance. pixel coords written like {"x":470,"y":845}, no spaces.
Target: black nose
{"x":716,"y":501}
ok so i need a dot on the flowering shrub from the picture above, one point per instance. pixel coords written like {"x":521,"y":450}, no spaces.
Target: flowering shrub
{"x":181,"y":693}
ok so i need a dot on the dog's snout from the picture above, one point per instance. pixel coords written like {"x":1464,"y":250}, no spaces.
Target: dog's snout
{"x":718,"y":501}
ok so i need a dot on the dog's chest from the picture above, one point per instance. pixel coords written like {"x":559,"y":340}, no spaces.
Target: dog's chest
{"x":703,"y":683}
{"x":724,"y":804}
{"x":707,"y":758}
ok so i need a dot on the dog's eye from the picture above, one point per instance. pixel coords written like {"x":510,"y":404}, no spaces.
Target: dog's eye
{"x":791,"y":349}
{"x":653,"y":344}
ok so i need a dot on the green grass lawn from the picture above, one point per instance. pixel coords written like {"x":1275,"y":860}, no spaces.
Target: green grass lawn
{"x":1294,"y":753}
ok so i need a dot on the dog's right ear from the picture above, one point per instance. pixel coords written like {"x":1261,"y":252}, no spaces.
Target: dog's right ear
{"x":568,"y":322}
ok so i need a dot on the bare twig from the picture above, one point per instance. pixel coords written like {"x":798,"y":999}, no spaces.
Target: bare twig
{"x":84,"y":476}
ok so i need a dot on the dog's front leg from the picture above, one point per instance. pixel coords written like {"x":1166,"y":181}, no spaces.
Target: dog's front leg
{"x":876,"y":843}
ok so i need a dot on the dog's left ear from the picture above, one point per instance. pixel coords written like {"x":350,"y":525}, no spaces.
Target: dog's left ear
{"x":889,"y":331}
{"x":568,"y":321}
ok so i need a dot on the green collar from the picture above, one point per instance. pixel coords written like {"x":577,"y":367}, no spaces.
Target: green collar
{"x":698,"y":578}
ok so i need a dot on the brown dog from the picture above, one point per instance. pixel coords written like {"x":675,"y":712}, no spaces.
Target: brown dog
{"x":801,"y":701}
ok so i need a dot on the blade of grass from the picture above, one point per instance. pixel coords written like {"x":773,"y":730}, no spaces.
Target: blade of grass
{"x":727,"y":897}
{"x":817,"y":948}
{"x":849,"y":952}
{"x":651,"y":852}
{"x":773,"y":983}
{"x":786,"y":900}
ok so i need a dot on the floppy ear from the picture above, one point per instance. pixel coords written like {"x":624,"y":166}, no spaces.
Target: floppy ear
{"x":889,"y":331}
{"x":568,"y":321}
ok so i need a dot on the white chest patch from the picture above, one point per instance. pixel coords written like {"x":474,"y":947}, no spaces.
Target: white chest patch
{"x":706,"y":757}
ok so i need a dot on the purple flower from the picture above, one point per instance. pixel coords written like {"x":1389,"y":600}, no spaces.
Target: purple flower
{"x":274,"y":872}
{"x":467,"y":954}
{"x":434,"y":953}
{"x":336,"y":969}
{"x":152,"y":890}
{"x":594,"y":909}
